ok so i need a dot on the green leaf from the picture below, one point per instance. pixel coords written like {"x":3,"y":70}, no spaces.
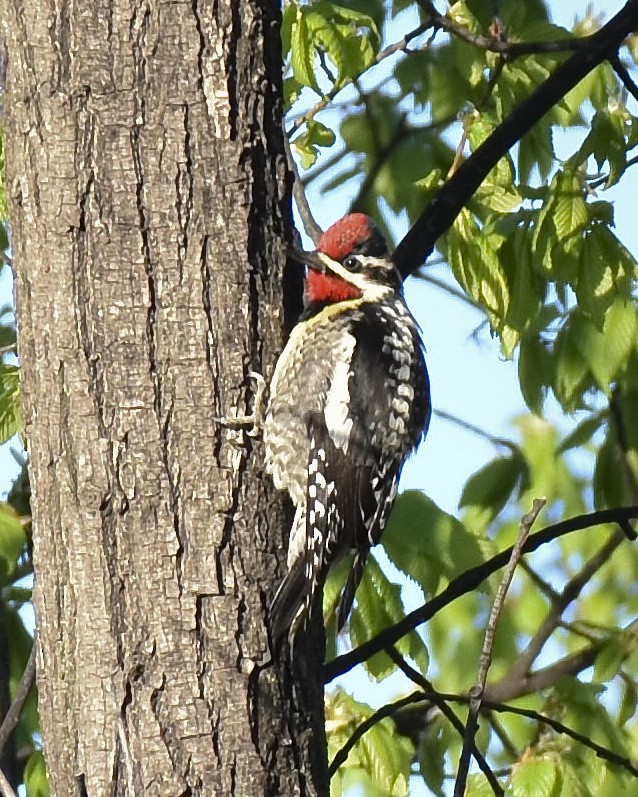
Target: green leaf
{"x":535,"y":776}
{"x":379,"y":606}
{"x":349,"y":38}
{"x":535,"y":366}
{"x":475,"y":264}
{"x":478,"y":786}
{"x":583,"y":433}
{"x":427,"y":544}
{"x":433,"y":746}
{"x":629,"y":701}
{"x":570,"y":209}
{"x":525,"y":288}
{"x":289,"y":15}
{"x":560,"y":227}
{"x":316,"y":135}
{"x":609,"y":489}
{"x":381,"y":753}
{"x":610,"y":658}
{"x":572,"y":368}
{"x":12,"y":540}
{"x":491,"y":487}
{"x":10,"y":415}
{"x":35,"y":776}
{"x":606,"y":142}
{"x":302,"y":51}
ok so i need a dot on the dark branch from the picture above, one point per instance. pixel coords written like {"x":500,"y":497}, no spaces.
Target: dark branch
{"x":5,"y":786}
{"x":574,"y":663}
{"x":419,"y":242}
{"x":385,"y":711}
{"x":465,"y":583}
{"x":448,"y":713}
{"x":624,"y":75}
{"x":602,"y":752}
{"x":22,"y":692}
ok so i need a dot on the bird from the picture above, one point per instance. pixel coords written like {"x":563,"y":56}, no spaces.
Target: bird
{"x":349,"y":401}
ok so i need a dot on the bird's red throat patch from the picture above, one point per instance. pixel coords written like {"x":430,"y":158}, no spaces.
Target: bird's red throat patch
{"x":328,"y":288}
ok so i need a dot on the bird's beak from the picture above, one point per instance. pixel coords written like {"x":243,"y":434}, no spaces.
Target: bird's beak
{"x":314,"y":260}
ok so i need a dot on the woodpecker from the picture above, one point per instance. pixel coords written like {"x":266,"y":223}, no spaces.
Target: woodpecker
{"x":349,"y":401}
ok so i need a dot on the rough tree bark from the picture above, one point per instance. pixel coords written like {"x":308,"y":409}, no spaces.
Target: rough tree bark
{"x":149,"y":211}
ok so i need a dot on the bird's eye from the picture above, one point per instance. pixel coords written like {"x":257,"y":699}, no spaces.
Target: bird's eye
{"x":352,"y":264}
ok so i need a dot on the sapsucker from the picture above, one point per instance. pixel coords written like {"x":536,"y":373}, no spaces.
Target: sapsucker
{"x":349,"y":401}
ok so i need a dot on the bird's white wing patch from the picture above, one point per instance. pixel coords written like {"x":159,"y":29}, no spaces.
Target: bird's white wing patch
{"x":336,"y":410}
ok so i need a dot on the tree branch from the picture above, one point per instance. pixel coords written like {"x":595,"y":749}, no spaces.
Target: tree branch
{"x":498,"y":45}
{"x":22,"y":692}
{"x":602,"y":752}
{"x":624,"y":76}
{"x":396,"y":47}
{"x":465,"y":583}
{"x":485,"y":661}
{"x":440,"y":214}
{"x":5,"y":786}
{"x":574,"y":663}
{"x":570,"y":592}
{"x":313,"y":230}
{"x":448,"y":713}
{"x":470,"y":427}
{"x":385,"y":711}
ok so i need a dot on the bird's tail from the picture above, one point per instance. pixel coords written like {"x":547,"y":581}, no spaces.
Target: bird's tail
{"x":287,"y":608}
{"x":350,"y":589}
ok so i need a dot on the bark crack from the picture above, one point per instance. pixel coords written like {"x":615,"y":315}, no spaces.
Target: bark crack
{"x":184,"y":193}
{"x":202,"y":44}
{"x":231,"y":50}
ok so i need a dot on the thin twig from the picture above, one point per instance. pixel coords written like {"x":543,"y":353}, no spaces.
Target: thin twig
{"x":470,"y":427}
{"x":498,"y":45}
{"x":543,"y":586}
{"x":420,"y":680}
{"x":385,"y":711}
{"x":493,"y":705}
{"x":22,"y":692}
{"x":602,"y":180}
{"x":485,"y":661}
{"x":422,"y":275}
{"x":545,"y":678}
{"x":399,"y":46}
{"x":602,"y":752}
{"x":468,"y":581}
{"x":313,"y":230}
{"x":568,"y":595}
{"x":5,"y":786}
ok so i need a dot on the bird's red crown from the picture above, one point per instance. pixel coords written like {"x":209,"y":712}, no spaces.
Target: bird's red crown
{"x":346,"y":235}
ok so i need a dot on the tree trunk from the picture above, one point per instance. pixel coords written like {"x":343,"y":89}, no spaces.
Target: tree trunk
{"x":149,"y":211}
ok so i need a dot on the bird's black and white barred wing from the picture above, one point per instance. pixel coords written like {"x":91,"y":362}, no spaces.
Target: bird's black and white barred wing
{"x":376,"y":410}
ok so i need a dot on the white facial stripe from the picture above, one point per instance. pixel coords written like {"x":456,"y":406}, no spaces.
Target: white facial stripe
{"x":371,"y":291}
